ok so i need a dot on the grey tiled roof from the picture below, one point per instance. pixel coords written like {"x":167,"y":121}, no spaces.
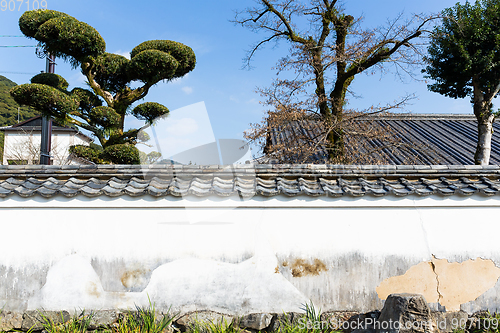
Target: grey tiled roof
{"x":448,"y":138}
{"x":248,"y":180}
{"x":35,"y":125}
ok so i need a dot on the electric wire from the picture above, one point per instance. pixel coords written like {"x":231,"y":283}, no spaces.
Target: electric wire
{"x":23,"y":73}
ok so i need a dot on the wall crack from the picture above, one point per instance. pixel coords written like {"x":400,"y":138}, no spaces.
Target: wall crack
{"x":437,"y":279}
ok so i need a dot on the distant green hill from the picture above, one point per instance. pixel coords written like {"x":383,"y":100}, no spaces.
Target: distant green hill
{"x":8,"y":107}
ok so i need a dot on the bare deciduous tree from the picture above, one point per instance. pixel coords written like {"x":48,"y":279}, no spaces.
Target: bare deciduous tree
{"x":328,"y":48}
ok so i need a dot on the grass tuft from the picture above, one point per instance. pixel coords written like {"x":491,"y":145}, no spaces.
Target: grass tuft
{"x":147,"y":320}
{"x":77,"y":324}
{"x":220,"y":326}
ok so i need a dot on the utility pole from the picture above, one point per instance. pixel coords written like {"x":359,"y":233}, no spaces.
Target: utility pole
{"x":46,"y":121}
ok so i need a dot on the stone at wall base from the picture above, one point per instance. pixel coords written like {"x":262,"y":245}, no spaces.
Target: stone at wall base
{"x":200,"y":317}
{"x":398,"y":308}
{"x":256,"y":321}
{"x":448,"y":322}
{"x":104,"y":318}
{"x":10,"y":321}
{"x":283,"y":318}
{"x":405,"y":313}
{"x":35,"y":320}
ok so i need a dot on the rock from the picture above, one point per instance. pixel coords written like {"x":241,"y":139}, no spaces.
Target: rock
{"x":481,"y":321}
{"x":284,"y":319}
{"x":451,"y":321}
{"x":405,"y":313}
{"x":103,"y":319}
{"x":256,"y":321}
{"x":339,"y":320}
{"x":363,"y":322}
{"x":201,"y":317}
{"x":10,"y":321}
{"x":35,"y":320}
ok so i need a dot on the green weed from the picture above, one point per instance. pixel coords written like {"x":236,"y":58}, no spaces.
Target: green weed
{"x":77,"y":324}
{"x":220,"y":326}
{"x":487,"y":323}
{"x":310,"y":323}
{"x":145,"y":320}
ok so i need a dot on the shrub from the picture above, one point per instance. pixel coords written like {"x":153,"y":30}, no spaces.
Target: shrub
{"x":121,"y":154}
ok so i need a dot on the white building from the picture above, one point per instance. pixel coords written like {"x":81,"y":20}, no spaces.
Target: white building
{"x":22,"y":143}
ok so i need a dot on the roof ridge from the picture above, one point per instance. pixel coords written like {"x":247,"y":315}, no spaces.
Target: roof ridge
{"x":423,"y":116}
{"x":282,"y":170}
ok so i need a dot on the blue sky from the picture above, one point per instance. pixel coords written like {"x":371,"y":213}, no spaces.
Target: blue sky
{"x":218,"y":80}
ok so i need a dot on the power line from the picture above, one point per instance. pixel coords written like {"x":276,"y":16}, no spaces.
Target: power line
{"x":11,"y":36}
{"x":17,"y":45}
{"x":18,"y":73}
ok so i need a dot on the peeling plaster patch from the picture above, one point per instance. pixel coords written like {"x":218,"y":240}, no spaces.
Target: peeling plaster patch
{"x":464,"y":282}
{"x":300,"y":267}
{"x":419,"y":279}
{"x":450,"y":284}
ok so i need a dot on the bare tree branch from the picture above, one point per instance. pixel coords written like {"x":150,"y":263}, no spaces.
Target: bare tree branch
{"x":325,"y":58}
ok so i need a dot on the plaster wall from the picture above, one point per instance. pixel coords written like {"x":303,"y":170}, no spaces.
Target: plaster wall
{"x":239,"y":257}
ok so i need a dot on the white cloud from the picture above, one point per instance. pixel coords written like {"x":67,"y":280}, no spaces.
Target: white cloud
{"x":126,"y":54}
{"x":187,"y":90}
{"x":77,"y":80}
{"x":253,"y":101}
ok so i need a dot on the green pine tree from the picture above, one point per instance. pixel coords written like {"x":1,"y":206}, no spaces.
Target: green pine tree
{"x":102,"y":109}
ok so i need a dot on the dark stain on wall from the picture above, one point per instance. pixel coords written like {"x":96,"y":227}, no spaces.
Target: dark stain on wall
{"x":133,"y":278}
{"x":92,"y":290}
{"x":300,"y":267}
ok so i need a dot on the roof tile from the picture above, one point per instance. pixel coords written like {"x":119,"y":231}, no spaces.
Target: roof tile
{"x":91,"y":192}
{"x":287,"y":180}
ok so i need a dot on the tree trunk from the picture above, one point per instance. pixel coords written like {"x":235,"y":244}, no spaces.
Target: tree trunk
{"x":484,"y":133}
{"x":335,"y":143}
{"x":336,"y":148}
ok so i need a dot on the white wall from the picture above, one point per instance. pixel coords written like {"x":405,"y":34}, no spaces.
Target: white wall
{"x":26,"y":146}
{"x":235,"y":257}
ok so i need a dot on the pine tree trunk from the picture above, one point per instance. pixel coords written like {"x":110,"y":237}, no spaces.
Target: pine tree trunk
{"x":484,"y":133}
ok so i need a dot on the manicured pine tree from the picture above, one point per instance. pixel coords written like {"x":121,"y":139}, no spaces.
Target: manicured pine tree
{"x":102,"y":109}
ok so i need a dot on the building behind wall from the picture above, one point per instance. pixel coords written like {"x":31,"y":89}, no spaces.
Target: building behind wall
{"x":417,"y":139}
{"x":22,"y":143}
